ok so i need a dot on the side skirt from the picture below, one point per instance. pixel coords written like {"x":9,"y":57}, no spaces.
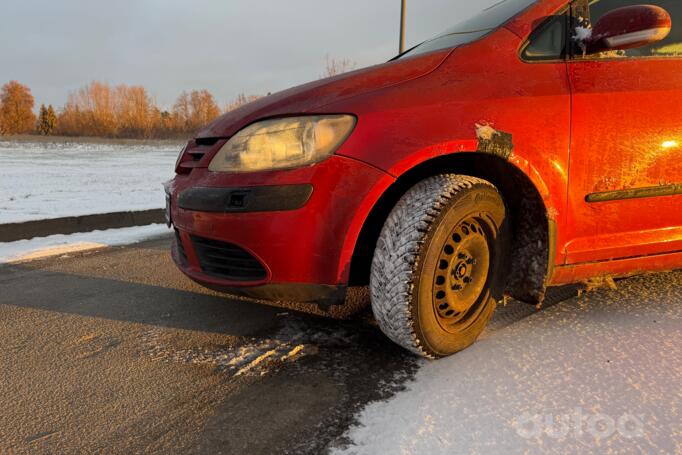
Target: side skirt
{"x":576,"y":273}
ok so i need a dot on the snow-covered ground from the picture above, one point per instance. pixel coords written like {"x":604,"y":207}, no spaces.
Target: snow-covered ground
{"x":600,"y":373}
{"x":39,"y":247}
{"x":51,"y":180}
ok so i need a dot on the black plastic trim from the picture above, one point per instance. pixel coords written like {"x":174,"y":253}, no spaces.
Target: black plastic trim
{"x":635,"y":193}
{"x":563,"y":57}
{"x":249,"y":199}
{"x":324,"y":296}
{"x":227,"y":261}
{"x":180,"y":248}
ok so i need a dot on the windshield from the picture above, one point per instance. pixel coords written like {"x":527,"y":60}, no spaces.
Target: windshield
{"x":474,"y":28}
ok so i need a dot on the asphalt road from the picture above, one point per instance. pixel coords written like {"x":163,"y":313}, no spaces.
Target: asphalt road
{"x":116,"y":351}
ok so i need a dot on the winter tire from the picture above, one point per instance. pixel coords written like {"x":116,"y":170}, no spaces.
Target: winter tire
{"x":437,"y":267}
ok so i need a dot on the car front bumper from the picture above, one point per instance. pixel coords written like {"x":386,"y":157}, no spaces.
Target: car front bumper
{"x":288,"y":235}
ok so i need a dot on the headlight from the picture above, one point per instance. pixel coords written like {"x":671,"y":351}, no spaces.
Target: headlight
{"x":283,"y":143}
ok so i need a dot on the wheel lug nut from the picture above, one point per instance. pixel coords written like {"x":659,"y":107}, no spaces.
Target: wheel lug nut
{"x":456,"y":287}
{"x":467,"y":280}
{"x":461,"y":256}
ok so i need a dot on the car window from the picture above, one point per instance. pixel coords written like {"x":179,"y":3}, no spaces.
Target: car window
{"x":669,"y":47}
{"x":474,"y":28}
{"x":548,"y":42}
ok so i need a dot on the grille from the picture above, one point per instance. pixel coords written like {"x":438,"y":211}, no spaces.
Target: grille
{"x":227,"y":261}
{"x":203,"y":146}
{"x":197,"y":153}
{"x":180,"y":248}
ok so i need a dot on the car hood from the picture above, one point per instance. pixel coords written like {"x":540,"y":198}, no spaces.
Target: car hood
{"x":314,"y":95}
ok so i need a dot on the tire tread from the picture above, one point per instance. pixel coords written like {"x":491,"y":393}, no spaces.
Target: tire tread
{"x":393,"y":274}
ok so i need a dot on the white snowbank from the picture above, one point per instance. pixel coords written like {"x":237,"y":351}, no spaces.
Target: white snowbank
{"x":52,"y":180}
{"x":39,"y":247}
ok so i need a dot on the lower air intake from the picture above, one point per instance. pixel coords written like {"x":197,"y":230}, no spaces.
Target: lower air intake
{"x":227,"y":261}
{"x":180,"y":248}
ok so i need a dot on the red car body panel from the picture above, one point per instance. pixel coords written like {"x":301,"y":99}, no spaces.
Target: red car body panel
{"x":466,"y":91}
{"x":282,"y":239}
{"x":314,"y":95}
{"x":579,"y":128}
{"x":626,"y":122}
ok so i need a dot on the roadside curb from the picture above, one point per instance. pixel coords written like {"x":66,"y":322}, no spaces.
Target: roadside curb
{"x":74,"y":224}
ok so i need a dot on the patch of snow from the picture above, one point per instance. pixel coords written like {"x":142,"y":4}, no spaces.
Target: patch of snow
{"x":582,"y":34}
{"x":293,"y":353}
{"x":596,"y":374}
{"x":255,"y":357}
{"x":54,"y":245}
{"x":553,"y":213}
{"x":255,"y":362}
{"x":485,"y":132}
{"x":53,"y":180}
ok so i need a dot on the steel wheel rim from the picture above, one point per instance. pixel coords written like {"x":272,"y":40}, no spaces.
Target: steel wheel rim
{"x":461,"y":275}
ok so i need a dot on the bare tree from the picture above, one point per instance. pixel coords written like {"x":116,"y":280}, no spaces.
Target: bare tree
{"x":194,"y":110}
{"x":99,"y":109}
{"x":240,"y":101}
{"x":337,"y":66}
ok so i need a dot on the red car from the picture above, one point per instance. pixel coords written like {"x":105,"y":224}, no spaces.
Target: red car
{"x":538,"y":143}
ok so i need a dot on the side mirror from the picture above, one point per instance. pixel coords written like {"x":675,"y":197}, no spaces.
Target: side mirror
{"x":629,"y":27}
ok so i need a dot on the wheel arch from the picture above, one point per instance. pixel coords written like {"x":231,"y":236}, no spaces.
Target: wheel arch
{"x":532,"y":251}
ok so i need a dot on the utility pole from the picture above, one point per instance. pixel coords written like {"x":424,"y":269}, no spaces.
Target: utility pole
{"x":403,"y":13}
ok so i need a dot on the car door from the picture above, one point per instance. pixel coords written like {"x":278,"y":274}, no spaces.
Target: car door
{"x":625,"y":175}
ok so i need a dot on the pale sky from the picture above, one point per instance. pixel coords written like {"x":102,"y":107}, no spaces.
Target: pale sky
{"x":225,"y":46}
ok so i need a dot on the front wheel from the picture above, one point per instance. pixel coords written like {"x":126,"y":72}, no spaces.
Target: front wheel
{"x":437,"y":268}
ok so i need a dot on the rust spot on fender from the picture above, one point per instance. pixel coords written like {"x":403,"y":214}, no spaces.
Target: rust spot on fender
{"x":494,"y":142}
